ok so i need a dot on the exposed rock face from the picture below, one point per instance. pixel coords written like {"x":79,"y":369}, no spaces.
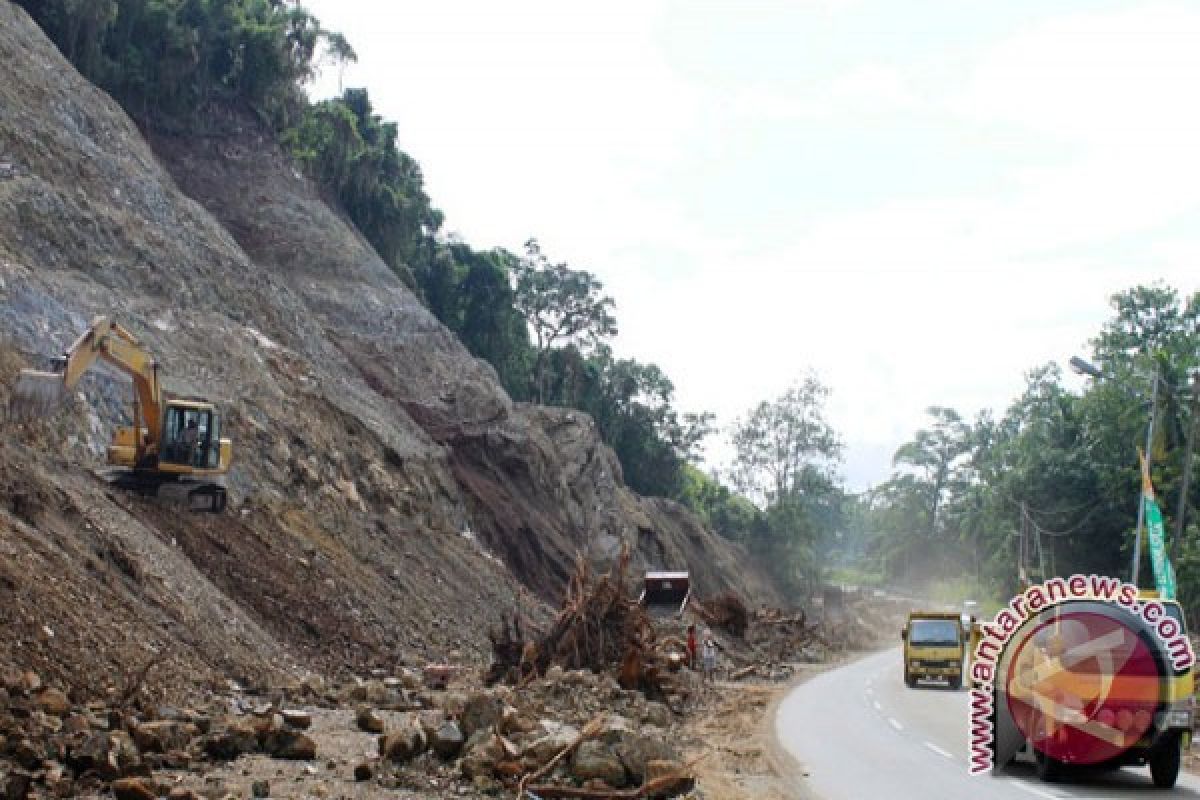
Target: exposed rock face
{"x":388,"y":498}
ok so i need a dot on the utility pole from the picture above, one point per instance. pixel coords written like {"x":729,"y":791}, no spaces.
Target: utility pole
{"x":1141,"y":514}
{"x":1181,"y":512}
{"x":1022,"y":558}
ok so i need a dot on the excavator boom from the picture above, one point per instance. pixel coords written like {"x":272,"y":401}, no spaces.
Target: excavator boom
{"x":39,"y":394}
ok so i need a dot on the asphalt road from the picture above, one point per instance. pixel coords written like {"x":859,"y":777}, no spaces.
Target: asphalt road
{"x":861,"y":734}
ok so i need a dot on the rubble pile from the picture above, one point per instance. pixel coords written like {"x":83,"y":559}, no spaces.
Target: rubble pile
{"x":776,"y":639}
{"x":570,"y":733}
{"x":592,"y":707}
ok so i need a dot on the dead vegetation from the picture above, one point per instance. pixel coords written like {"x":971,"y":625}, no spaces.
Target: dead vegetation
{"x":725,"y":612}
{"x":600,"y":627}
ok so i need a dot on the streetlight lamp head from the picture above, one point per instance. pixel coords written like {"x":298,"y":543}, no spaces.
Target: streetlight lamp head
{"x":1084,"y":367}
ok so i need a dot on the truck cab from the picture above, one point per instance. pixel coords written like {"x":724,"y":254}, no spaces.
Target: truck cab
{"x":934,"y":643}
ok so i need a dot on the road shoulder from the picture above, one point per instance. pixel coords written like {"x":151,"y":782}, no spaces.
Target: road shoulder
{"x":733,"y":735}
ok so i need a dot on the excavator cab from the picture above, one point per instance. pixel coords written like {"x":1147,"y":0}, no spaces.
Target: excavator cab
{"x":191,"y":436}
{"x":188,"y":460}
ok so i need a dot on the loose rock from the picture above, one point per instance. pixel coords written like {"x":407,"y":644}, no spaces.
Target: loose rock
{"x":448,"y":740}
{"x":367,"y":720}
{"x":132,"y":789}
{"x":290,"y":745}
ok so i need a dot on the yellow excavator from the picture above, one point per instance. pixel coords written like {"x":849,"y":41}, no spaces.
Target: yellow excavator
{"x":174,"y":443}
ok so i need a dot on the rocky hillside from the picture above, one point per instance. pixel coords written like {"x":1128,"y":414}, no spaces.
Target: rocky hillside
{"x":388,"y":498}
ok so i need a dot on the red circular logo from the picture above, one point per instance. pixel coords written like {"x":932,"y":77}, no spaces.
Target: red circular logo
{"x":1083,"y":687}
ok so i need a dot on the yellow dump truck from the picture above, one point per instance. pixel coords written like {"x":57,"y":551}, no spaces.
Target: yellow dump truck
{"x":934,"y":644}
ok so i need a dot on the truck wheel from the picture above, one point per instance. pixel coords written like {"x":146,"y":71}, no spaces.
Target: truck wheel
{"x":909,"y":680}
{"x":1164,"y":763}
{"x":956,"y":682}
{"x":1048,"y":769}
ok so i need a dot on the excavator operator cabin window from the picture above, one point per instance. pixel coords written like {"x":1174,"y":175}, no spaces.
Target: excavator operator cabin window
{"x":173,"y":436}
{"x":214,"y":443}
{"x":188,"y":436}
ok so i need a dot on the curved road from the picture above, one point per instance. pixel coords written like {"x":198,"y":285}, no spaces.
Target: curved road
{"x":861,"y":734}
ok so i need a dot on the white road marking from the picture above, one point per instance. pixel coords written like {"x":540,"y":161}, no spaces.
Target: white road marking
{"x":938,"y":750}
{"x":1033,"y":790}
{"x":895,"y":723}
{"x":877,"y":705}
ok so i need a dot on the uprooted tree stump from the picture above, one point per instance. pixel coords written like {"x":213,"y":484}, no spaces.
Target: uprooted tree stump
{"x":600,"y":627}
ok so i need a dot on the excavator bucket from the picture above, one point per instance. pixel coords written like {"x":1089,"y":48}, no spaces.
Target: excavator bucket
{"x":36,"y":394}
{"x":666,"y":593}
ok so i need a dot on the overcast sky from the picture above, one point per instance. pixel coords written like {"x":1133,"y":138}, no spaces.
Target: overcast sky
{"x":919,"y":200}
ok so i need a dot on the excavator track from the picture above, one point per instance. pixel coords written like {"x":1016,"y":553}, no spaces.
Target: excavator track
{"x":196,"y":496}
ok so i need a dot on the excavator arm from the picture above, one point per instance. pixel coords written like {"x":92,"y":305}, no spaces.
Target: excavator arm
{"x":41,"y":393}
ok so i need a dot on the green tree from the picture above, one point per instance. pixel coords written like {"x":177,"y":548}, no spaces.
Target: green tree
{"x":778,"y":440}
{"x":785,"y":453}
{"x":561,"y":305}
{"x":927,"y":463}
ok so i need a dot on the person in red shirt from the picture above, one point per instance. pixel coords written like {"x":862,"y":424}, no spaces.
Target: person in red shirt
{"x":691,"y":646}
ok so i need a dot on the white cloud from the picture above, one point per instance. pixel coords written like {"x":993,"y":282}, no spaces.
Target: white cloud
{"x":1106,"y":80}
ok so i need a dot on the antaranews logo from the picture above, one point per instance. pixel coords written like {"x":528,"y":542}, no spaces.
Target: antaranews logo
{"x":1077,"y":667}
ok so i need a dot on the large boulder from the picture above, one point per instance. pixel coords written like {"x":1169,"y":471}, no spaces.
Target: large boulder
{"x":593,"y":759}
{"x":162,"y":736}
{"x":289,"y":744}
{"x":404,"y":743}
{"x":52,"y":702}
{"x":483,"y":752}
{"x":132,"y":789}
{"x":367,"y":720}
{"x":555,"y":738}
{"x":447,"y":740}
{"x":110,"y":754}
{"x":482,"y":711}
{"x":232,"y":739}
{"x":636,"y":750}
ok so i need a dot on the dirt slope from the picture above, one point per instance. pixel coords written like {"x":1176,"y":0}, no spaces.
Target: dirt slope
{"x":388,"y":497}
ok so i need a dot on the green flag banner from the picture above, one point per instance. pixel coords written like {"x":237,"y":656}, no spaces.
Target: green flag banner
{"x":1164,"y":576}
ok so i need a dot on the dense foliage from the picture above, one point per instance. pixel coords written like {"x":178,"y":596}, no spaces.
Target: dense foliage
{"x":174,"y":56}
